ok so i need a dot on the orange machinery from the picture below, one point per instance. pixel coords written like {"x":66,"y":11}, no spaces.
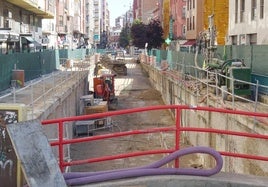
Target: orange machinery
{"x":104,"y":88}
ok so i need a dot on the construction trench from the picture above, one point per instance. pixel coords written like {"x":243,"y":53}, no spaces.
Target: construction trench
{"x":146,"y":86}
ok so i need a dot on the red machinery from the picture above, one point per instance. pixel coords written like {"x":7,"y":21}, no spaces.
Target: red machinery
{"x":104,"y":88}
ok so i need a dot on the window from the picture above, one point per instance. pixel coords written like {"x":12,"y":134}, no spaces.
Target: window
{"x":7,"y":13}
{"x":252,"y":39}
{"x":234,"y":40}
{"x":190,"y":5}
{"x":188,"y":21}
{"x":253,"y":9}
{"x":193,"y":4}
{"x":242,"y":10}
{"x":236,"y":11}
{"x":183,"y":30}
{"x":61,"y":20}
{"x":242,"y":38}
{"x":261,"y":9}
{"x":193,"y":23}
{"x":183,"y":12}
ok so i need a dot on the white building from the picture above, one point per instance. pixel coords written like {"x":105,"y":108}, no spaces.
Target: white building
{"x":248,"y":22}
{"x":49,"y":34}
{"x":89,"y":21}
{"x":97,"y":20}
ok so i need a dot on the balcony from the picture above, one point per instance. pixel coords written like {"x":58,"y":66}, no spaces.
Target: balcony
{"x":62,"y":29}
{"x":32,"y":7}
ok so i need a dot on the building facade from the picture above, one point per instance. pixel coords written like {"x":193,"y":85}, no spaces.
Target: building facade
{"x":194,"y":18}
{"x":218,"y":10}
{"x":144,"y":10}
{"x":248,"y":22}
{"x":89,"y":22}
{"x":21,"y":24}
{"x":178,"y":18}
{"x":101,"y":23}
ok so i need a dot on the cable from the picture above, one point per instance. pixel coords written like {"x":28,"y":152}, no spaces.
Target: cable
{"x":82,"y":178}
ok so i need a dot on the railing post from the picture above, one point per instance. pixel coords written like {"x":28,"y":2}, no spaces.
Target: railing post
{"x":178,"y":133}
{"x":32,"y":100}
{"x":233,"y":92}
{"x":44,"y":91}
{"x":207,"y":83}
{"x":256,"y":102}
{"x":53,"y":88}
{"x":61,"y":159}
{"x":14,"y":94}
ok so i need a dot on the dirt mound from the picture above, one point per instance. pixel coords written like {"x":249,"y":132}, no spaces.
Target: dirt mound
{"x":150,"y":94}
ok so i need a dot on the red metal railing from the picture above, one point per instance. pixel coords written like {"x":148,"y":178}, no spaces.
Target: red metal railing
{"x":177,"y":129}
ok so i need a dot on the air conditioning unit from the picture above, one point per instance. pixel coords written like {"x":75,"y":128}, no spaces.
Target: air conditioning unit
{"x":8,"y":23}
{"x":1,"y":21}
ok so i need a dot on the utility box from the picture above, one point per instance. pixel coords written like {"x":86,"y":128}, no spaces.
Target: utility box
{"x":240,"y":76}
{"x":89,"y":105}
{"x":18,"y":78}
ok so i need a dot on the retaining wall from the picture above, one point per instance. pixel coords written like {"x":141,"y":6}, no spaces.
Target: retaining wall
{"x":180,"y":91}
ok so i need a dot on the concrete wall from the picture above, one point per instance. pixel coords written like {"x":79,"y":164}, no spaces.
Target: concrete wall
{"x":68,"y":104}
{"x":176,"y":91}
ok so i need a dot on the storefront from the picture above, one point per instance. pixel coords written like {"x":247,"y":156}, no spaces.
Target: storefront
{"x":28,"y":44}
{"x":8,"y":42}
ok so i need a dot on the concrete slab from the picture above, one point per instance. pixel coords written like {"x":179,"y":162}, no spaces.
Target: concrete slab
{"x":219,"y":180}
{"x":39,"y":165}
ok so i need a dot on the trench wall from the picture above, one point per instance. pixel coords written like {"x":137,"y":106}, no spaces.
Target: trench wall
{"x":179,"y":92}
{"x":63,"y":102}
{"x":65,"y":106}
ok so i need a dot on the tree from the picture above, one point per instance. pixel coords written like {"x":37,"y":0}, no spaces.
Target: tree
{"x":124,"y":38}
{"x":138,"y":34}
{"x":151,"y":34}
{"x":154,"y":34}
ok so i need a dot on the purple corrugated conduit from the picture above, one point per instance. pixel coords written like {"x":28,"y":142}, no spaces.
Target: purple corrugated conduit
{"x":82,"y":178}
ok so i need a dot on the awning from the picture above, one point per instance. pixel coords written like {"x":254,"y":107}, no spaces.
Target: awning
{"x":189,"y":43}
{"x":31,"y":40}
{"x":6,"y":36}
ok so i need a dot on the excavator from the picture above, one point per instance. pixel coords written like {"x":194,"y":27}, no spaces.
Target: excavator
{"x":113,"y":61}
{"x":104,"y":89}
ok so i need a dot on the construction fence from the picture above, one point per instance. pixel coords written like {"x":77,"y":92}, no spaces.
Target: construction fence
{"x":253,"y":57}
{"x":28,"y":66}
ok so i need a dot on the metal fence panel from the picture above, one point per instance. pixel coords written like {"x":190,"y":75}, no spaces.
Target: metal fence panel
{"x":7,"y":63}
{"x":31,"y":64}
{"x":259,"y":57}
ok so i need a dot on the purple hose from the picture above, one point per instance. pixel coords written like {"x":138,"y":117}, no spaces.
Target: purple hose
{"x":82,"y":178}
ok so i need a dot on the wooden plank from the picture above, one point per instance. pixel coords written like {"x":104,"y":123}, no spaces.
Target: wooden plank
{"x":100,"y":108}
{"x":35,"y":154}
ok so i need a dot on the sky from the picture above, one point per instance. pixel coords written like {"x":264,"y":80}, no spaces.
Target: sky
{"x":118,"y":8}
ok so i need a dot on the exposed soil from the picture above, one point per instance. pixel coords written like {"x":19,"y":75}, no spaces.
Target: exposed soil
{"x":133,"y":90}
